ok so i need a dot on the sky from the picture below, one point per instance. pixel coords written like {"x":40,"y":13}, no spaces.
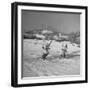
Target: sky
{"x":61,"y":22}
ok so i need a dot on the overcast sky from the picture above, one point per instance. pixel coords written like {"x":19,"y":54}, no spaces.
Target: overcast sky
{"x":62,"y":22}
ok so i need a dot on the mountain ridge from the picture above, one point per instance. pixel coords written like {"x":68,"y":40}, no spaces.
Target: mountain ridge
{"x":52,"y":35}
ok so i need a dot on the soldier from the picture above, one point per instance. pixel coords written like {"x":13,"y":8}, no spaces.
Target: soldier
{"x":46,"y":50}
{"x":64,"y":50}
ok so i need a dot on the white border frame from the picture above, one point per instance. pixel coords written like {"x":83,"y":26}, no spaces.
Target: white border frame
{"x":82,"y":57}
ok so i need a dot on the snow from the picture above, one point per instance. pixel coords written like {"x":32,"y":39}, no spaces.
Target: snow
{"x":46,"y":31}
{"x":35,"y":66}
{"x":40,"y":36}
{"x":55,"y":47}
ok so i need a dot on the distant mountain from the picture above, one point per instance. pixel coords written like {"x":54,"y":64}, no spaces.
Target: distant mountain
{"x":52,"y":35}
{"x":43,"y":34}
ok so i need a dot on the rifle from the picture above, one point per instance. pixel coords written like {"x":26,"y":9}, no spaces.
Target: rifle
{"x":48,"y":45}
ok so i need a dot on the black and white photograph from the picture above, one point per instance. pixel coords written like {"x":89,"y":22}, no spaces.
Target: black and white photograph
{"x":51,"y":44}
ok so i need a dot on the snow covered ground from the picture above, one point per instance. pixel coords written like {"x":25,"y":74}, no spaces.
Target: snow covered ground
{"x":34,"y":66}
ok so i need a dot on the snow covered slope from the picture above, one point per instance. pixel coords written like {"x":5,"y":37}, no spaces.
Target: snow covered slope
{"x":35,"y":47}
{"x":35,"y":66}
